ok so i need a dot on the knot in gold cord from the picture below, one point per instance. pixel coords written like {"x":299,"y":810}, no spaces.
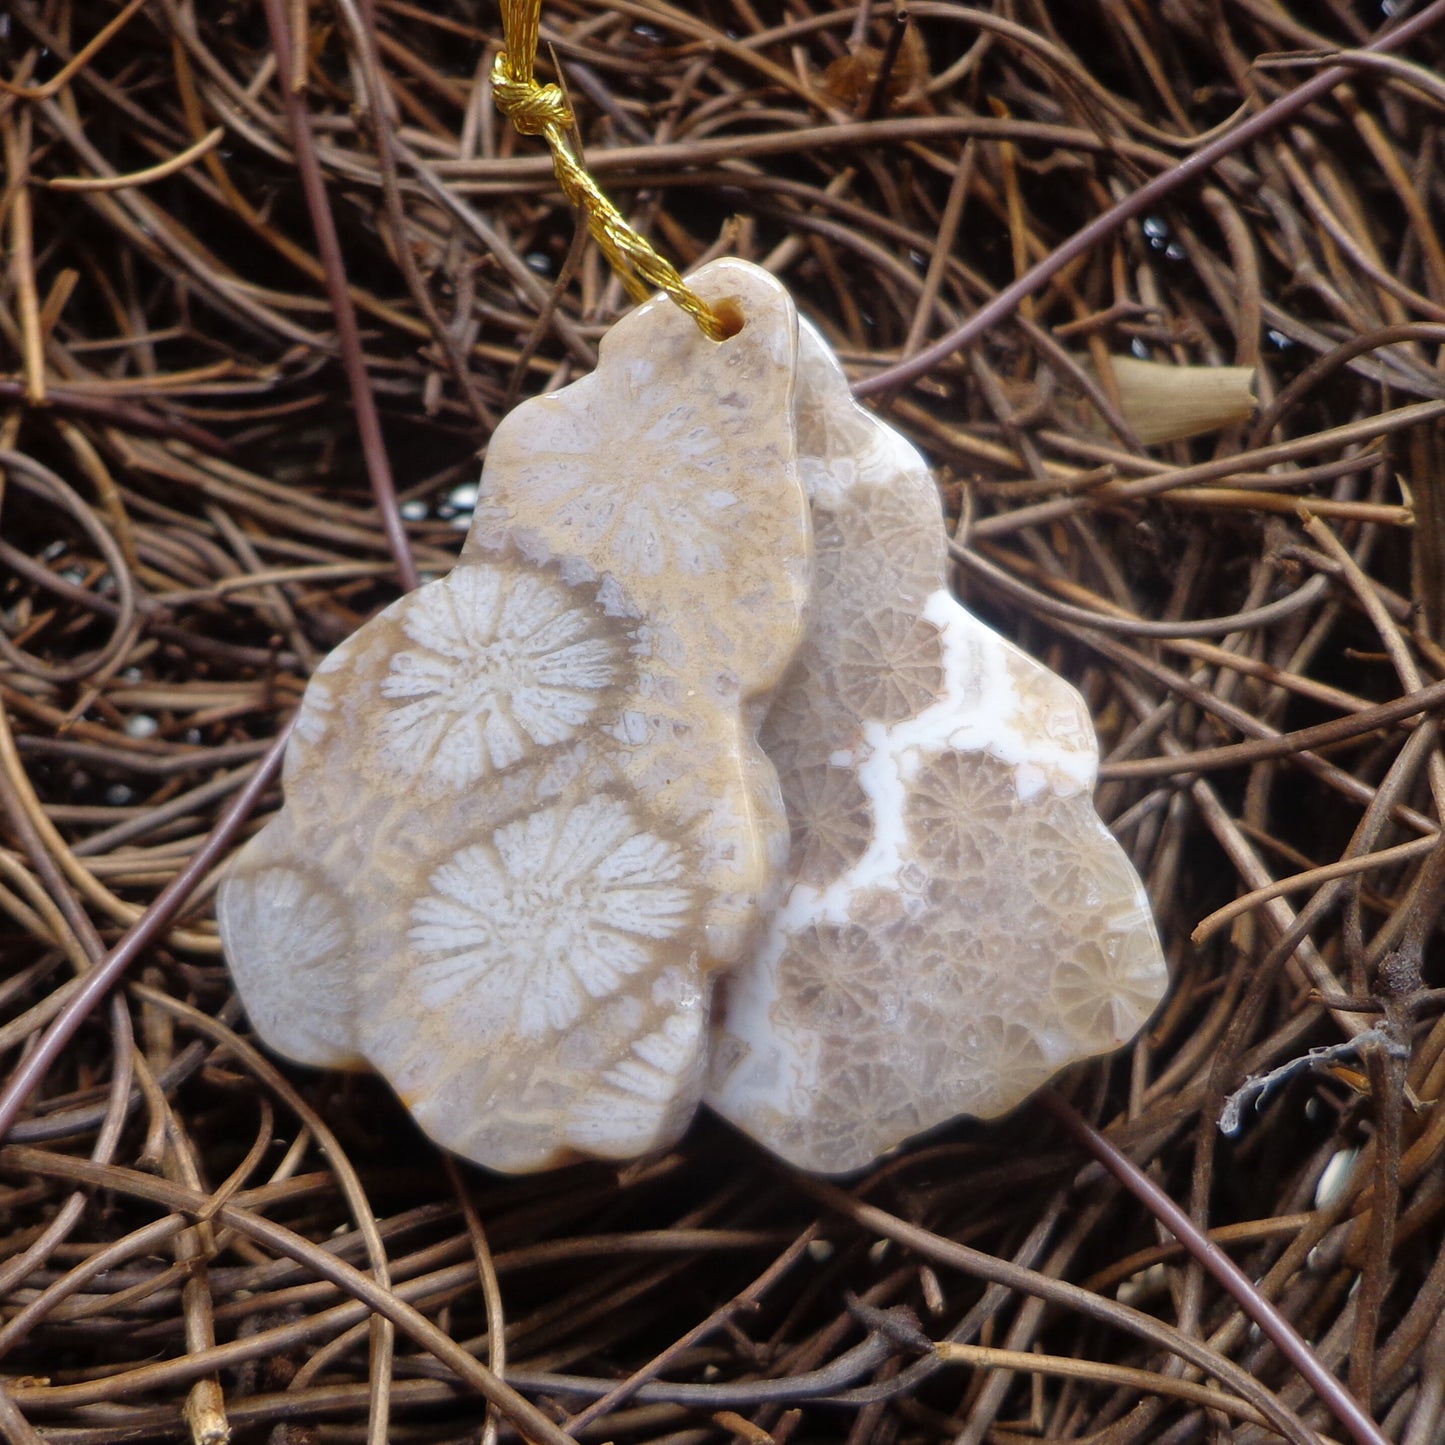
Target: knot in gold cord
{"x":543,"y":110}
{"x":529,"y":106}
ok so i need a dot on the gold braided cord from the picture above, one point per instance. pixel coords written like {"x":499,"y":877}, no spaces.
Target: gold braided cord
{"x":543,"y":110}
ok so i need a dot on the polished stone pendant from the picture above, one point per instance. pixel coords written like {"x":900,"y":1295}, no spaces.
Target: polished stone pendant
{"x":527,"y":818}
{"x":958,"y":924}
{"x":529,"y":823}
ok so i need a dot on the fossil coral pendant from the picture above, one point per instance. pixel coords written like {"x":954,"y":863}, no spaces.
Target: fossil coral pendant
{"x":958,"y":924}
{"x":527,"y":818}
{"x":529,"y":823}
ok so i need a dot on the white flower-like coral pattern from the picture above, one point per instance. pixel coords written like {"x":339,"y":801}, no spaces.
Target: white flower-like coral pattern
{"x":558,"y":908}
{"x":532,"y":788}
{"x":492,"y":886}
{"x":313,"y":717}
{"x":282,"y":913}
{"x":503,"y":663}
{"x":660,"y":526}
{"x":658,"y":522}
{"x":959,"y":924}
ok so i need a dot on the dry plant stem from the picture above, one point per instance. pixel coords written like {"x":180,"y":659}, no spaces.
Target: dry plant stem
{"x":350,"y":1280}
{"x":379,"y":1327}
{"x":1306,"y":740}
{"x":744,"y":1300}
{"x":1003,"y":304}
{"x":491,"y":1290}
{"x":1330,"y":362}
{"x":67,"y":401}
{"x":348,"y":335}
{"x":22,"y":257}
{"x":362,"y":23}
{"x":1402,"y":419}
{"x":1117,"y":620}
{"x":526,"y":281}
{"x":1345,"y":868}
{"x":69,"y":918}
{"x":157,"y":172}
{"x":28,"y":476}
{"x":148,"y":1238}
{"x":1059,"y":1292}
{"x":13,"y":1425}
{"x":981,"y":1317}
{"x":27,"y":1077}
{"x":988,"y":1396}
{"x":81,"y":58}
{"x":1141,"y":1381}
{"x":808,"y":1384}
{"x":75,"y":918}
{"x":1394,"y":645}
{"x":55,"y":848}
{"x":205,"y":1409}
{"x":1345,"y":1408}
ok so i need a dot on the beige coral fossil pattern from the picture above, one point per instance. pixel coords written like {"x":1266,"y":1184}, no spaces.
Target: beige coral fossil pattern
{"x":527,"y":817}
{"x":959,"y":924}
{"x":715,"y":553}
{"x":555,"y":908}
{"x":537,"y":807}
{"x":501,"y":664}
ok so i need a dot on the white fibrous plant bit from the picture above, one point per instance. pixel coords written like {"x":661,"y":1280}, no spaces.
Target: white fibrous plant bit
{"x":529,"y":823}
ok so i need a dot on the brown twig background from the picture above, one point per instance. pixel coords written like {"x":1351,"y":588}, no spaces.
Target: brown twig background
{"x":272,"y":271}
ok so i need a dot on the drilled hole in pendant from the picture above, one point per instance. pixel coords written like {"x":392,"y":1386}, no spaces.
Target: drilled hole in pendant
{"x":729,"y":315}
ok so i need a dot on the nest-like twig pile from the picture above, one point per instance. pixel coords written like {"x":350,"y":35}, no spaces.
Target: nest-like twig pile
{"x":196,"y":1238}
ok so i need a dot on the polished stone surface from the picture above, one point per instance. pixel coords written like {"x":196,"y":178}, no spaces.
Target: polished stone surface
{"x":527,"y":817}
{"x":695,"y":703}
{"x":959,"y":924}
